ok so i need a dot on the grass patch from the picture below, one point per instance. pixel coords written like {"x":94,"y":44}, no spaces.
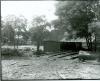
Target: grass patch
{"x":7,"y":52}
{"x":39,"y":53}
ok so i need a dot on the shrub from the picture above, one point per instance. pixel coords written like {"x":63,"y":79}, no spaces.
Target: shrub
{"x":11,"y":52}
{"x":39,"y":53}
{"x":27,"y":49}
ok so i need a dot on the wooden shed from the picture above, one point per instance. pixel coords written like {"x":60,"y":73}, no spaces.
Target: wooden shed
{"x":56,"y":46}
{"x":51,"y":46}
{"x":97,"y":32}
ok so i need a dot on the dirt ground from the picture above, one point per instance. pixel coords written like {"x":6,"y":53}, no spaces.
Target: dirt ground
{"x":49,"y":68}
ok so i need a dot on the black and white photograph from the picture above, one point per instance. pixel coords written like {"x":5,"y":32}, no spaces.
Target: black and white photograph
{"x":50,"y":40}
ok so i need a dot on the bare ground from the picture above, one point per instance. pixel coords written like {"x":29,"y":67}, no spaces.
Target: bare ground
{"x":49,"y":68}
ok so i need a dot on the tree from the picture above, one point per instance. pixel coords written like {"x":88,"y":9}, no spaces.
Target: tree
{"x":8,"y":34}
{"x":17,"y":25}
{"x":26,"y":35}
{"x":9,"y":20}
{"x":2,"y":23}
{"x":20,"y":28}
{"x":2,"y":26}
{"x":60,"y":27}
{"x":77,"y":14}
{"x":96,"y":9}
{"x":39,"y":31}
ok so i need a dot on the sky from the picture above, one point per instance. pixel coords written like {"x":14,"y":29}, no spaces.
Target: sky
{"x":29,"y":9}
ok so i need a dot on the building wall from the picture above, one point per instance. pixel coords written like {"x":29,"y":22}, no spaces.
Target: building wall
{"x":73,"y":46}
{"x":98,"y":39}
{"x":54,"y":46}
{"x":51,"y":46}
{"x":97,"y":32}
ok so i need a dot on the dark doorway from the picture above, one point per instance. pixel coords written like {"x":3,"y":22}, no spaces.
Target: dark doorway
{"x":73,"y":46}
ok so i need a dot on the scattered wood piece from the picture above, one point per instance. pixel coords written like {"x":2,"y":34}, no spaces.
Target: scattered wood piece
{"x":13,"y":63}
{"x":59,"y":75}
{"x":67,"y":55}
{"x":61,"y":53}
{"x":25,"y":64}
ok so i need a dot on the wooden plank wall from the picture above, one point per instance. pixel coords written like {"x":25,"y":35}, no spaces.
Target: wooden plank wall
{"x":98,"y":39}
{"x":51,"y":46}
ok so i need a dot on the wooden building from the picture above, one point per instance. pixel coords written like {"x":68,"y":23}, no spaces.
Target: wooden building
{"x":56,"y":46}
{"x":97,"y":33}
{"x":51,"y":46}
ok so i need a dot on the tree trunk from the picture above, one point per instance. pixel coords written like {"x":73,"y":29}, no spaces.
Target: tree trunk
{"x":0,"y":56}
{"x":95,"y":44}
{"x":38,"y":46}
{"x":14,"y":43}
{"x":14,"y":40}
{"x":89,"y":42}
{"x":17,"y":41}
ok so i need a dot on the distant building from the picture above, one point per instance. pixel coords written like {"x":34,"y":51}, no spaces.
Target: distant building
{"x":29,"y":42}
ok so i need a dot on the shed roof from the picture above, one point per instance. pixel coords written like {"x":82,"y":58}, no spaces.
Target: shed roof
{"x":73,"y":40}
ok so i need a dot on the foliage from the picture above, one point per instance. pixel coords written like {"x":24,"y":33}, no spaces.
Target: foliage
{"x":75,"y":16}
{"x":39,"y":53}
{"x":8,"y":34}
{"x":13,"y":27}
{"x":27,"y":49}
{"x":38,"y":30}
{"x":11,"y":52}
